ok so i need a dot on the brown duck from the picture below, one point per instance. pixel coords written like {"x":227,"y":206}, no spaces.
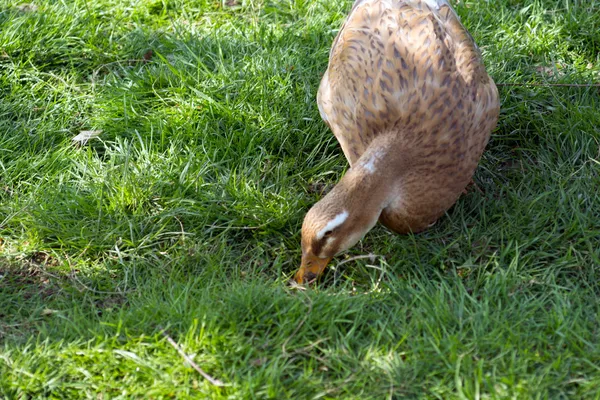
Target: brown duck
{"x":408,"y":97}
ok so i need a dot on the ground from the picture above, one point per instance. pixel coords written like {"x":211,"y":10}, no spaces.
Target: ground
{"x":181,"y":219}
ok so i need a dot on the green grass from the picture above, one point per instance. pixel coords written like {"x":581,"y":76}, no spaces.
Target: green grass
{"x":184,"y":214}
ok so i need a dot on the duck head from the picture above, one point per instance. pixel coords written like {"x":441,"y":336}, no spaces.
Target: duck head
{"x":333,"y":225}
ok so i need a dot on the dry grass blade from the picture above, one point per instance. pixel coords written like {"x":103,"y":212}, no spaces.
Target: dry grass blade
{"x":213,"y":381}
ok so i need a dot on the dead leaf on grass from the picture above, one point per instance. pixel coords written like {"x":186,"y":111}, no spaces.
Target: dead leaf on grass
{"x":550,"y":70}
{"x":148,"y":55}
{"x":257,"y":362}
{"x":85,"y":136}
{"x":27,"y":7}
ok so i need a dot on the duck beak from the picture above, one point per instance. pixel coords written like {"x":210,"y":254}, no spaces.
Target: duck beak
{"x":311,"y":267}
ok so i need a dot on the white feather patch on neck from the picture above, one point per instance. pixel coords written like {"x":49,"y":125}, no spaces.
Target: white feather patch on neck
{"x":332,"y":224}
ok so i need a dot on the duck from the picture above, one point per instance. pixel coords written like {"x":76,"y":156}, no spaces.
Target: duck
{"x":408,"y":97}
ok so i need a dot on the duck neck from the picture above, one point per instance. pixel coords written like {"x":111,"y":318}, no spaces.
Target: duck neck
{"x":371,"y":184}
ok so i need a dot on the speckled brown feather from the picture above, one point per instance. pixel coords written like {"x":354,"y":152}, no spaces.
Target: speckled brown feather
{"x":409,"y":71}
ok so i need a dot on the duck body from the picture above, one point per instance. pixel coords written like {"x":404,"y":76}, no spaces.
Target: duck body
{"x":408,"y":98}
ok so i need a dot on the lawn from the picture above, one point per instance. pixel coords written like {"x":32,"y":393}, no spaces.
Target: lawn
{"x":180,"y":221}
